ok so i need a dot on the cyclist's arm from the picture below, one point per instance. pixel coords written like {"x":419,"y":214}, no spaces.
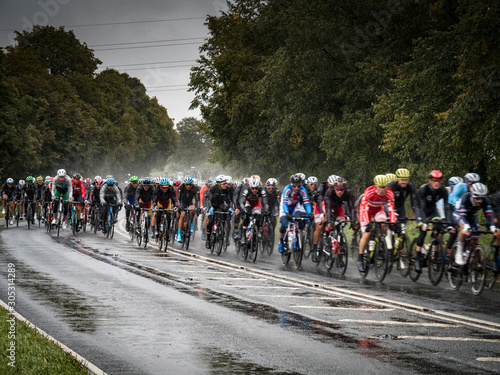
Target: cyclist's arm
{"x":413,"y":200}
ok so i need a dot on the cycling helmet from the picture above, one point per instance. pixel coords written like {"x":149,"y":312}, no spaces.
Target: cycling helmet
{"x":391,"y":177}
{"x":380,"y":180}
{"x":39,"y":179}
{"x":110,"y":181}
{"x":339,"y":181}
{"x":146,"y":181}
{"x":229,"y":179}
{"x":220,"y":178}
{"x":312,"y":180}
{"x":97,"y":178}
{"x":47,"y":182}
{"x":88,"y":181}
{"x":254,"y":182}
{"x":471,"y":178}
{"x":403,"y":173}
{"x":164,"y":182}
{"x":177,"y":183}
{"x":455,"y":180}
{"x":109,"y":176}
{"x":435,"y":174}
{"x":245,"y":180}
{"x":295,"y":179}
{"x":271,"y":182}
{"x":47,"y":177}
{"x":134,"y":179}
{"x":77,"y":176}
{"x":156,"y":180}
{"x":479,"y":190}
{"x":188,"y":180}
{"x":10,"y":180}
{"x":30,"y":179}
{"x":301,"y":175}
{"x":61,"y":173}
{"x":332,"y":179}
{"x":22,"y":183}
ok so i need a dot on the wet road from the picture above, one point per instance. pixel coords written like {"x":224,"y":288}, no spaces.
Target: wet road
{"x":131,"y":310}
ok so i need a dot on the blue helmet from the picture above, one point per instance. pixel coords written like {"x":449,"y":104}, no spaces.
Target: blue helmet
{"x":164,"y":182}
{"x":146,"y":181}
{"x":110,"y":181}
{"x":188,"y":180}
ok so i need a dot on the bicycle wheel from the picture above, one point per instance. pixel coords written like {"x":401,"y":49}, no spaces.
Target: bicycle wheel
{"x":435,"y":262}
{"x":139,"y":232}
{"x":28,"y":216}
{"x":326,"y":252}
{"x":254,"y":245}
{"x":342,"y":255}
{"x":131,"y":226}
{"x":220,"y":238}
{"x":412,"y":257}
{"x":477,"y":270}
{"x":85,"y":219}
{"x":297,"y":252}
{"x":285,"y":255}
{"x":308,"y":241}
{"x":59,"y":223}
{"x":366,"y":263}
{"x":17,"y":214}
{"x":455,"y":271}
{"x":490,"y":276}
{"x":381,"y":259}
{"x":404,"y":256}
{"x":187,"y":237}
{"x":111,"y":230}
{"x":356,"y":237}
{"x":269,"y":235}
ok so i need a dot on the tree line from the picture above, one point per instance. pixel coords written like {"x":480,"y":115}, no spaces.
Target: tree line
{"x":353,"y":87}
{"x":56,"y":111}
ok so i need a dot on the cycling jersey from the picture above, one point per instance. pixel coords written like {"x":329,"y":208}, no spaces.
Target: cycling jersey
{"x":29,"y":192}
{"x":144,"y":196}
{"x":258,"y":199}
{"x":468,"y":210}
{"x":427,"y":199}
{"x":38,"y":191}
{"x":456,"y":194}
{"x":78,"y":190}
{"x":294,"y":202}
{"x":495,"y":203}
{"x":218,"y":197}
{"x":10,"y":192}
{"x":188,"y":197}
{"x":62,"y":187}
{"x":95,"y":195}
{"x":333,"y":202}
{"x":202,"y":195}
{"x":110,"y":195}
{"x":400,"y":195}
{"x":129,"y":193}
{"x":373,"y":205}
{"x":273,"y":201}
{"x":164,"y":198}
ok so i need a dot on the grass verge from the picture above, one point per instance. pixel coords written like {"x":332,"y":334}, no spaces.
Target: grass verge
{"x":34,"y":353}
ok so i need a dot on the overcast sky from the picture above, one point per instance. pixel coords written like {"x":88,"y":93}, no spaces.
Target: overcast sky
{"x":175,"y":27}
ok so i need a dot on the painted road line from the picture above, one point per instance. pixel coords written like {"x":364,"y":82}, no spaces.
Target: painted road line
{"x":281,"y":296}
{"x":437,"y":338}
{"x":488,"y":359}
{"x":342,"y":308}
{"x":262,"y":287}
{"x":231,"y":278}
{"x":393,"y":322}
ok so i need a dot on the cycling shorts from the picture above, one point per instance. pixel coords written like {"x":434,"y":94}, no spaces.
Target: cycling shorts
{"x":377,"y":213}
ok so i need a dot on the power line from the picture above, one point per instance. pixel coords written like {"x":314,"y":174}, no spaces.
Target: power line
{"x":153,"y":63}
{"x":126,"y":23}
{"x":160,"y":45}
{"x":143,"y":42}
{"x":185,"y":89}
{"x":155,"y":67}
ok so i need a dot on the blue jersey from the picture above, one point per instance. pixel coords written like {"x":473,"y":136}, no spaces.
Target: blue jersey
{"x":468,"y":210}
{"x":456,"y":194}
{"x":291,"y":202}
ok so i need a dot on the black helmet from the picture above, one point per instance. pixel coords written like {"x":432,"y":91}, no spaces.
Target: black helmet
{"x":295,"y":179}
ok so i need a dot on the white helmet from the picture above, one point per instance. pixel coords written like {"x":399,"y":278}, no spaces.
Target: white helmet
{"x":471,"y":177}
{"x":479,"y":190}
{"x":301,"y":175}
{"x":455,"y":180}
{"x":22,"y":183}
{"x":271,"y":182}
{"x":220,"y":178}
{"x":61,"y":173}
{"x":312,"y":180}
{"x":254,"y":182}
{"x":229,"y":179}
{"x":332,"y":179}
{"x":47,"y":178}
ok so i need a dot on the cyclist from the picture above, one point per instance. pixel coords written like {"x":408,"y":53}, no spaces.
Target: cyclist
{"x":294,"y":203}
{"x":28,"y":194}
{"x":495,"y":203}
{"x":108,"y":195}
{"x":61,"y":187}
{"x":402,"y":187}
{"x":391,"y":177}
{"x":254,"y":201}
{"x":203,"y":206}
{"x":39,"y":185}
{"x":372,"y":205}
{"x":238,"y":211}
{"x":164,"y":197}
{"x":129,"y":198}
{"x":188,"y":199}
{"x":88,"y":186}
{"x":462,"y":188}
{"x":469,"y":205}
{"x":143,"y":198}
{"x":336,"y":197}
{"x":46,"y":196}
{"x":9,"y":196}
{"x":427,"y":197}
{"x":95,"y":197}
{"x":220,"y":199}
{"x":21,"y":185}
{"x":273,"y":199}
{"x":78,"y":197}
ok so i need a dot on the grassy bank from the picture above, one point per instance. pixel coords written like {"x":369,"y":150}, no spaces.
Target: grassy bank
{"x":34,"y":353}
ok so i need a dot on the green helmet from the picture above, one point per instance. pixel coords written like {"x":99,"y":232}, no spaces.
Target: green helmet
{"x":30,"y":179}
{"x":134,"y":179}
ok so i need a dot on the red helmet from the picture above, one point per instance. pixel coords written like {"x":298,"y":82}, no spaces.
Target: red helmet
{"x":88,"y":181}
{"x":177,"y":183}
{"x":435,"y":174}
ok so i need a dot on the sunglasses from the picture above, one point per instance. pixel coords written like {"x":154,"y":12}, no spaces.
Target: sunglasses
{"x":254,"y":188}
{"x":164,"y":187}
{"x":295,"y":186}
{"x":223,"y":183}
{"x":188,"y":184}
{"x":339,"y":189}
{"x":404,"y":179}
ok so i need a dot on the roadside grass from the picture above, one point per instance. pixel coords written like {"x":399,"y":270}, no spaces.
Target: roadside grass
{"x":34,"y":353}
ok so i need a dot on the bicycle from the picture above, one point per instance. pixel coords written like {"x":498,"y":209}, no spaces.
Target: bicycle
{"x":49,"y":215}
{"x":356,"y":237}
{"x":266,"y":235}
{"x":432,"y":255}
{"x":186,"y":229}
{"x":293,"y":243}
{"x":308,"y":240}
{"x":110,"y":221}
{"x":30,"y":214}
{"x":17,"y":212}
{"x":333,"y":248}
{"x":94,"y":218}
{"x":59,"y":216}
{"x":251,"y":248}
{"x":474,"y":269}
{"x":164,"y":217}
{"x":401,"y":249}
{"x":217,"y":238}
{"x":7,"y":212}
{"x":73,"y":222}
{"x":142,"y":234}
{"x":85,"y":216}
{"x":492,"y":267}
{"x":38,"y":213}
{"x":376,"y":253}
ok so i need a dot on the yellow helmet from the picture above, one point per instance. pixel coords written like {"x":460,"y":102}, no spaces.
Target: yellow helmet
{"x":391,"y":177}
{"x":380,"y":180}
{"x":403,"y":173}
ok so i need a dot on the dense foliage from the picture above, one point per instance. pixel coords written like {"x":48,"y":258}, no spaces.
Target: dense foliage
{"x":57,"y":112}
{"x":353,"y":87}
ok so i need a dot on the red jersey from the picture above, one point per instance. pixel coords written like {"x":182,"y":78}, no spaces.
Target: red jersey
{"x":78,"y":189}
{"x":372,"y":202}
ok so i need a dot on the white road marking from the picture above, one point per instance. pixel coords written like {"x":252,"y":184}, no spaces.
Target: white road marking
{"x":288,"y":296}
{"x":262,"y":287}
{"x":488,"y":359}
{"x":393,"y":322}
{"x":342,"y":308}
{"x":437,"y":338}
